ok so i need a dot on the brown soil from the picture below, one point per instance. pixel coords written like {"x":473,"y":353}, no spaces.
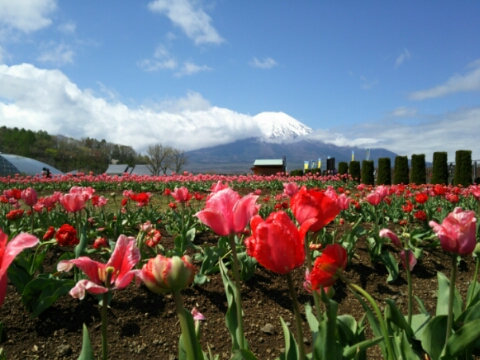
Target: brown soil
{"x":142,"y":325}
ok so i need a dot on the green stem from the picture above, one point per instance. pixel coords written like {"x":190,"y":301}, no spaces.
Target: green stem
{"x":238,"y":297}
{"x":376,"y":309}
{"x":451,"y":296}
{"x":31,"y":213}
{"x":409,"y":282}
{"x":104,"y":326}
{"x":187,"y":338}
{"x":298,"y":319}
{"x":475,"y":276}
{"x":406,"y":247}
{"x":310,"y":268}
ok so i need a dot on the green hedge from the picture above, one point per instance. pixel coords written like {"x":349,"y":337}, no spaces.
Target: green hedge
{"x":463,"y":168}
{"x":342,"y":168}
{"x":384,"y":171}
{"x":419,"y":170}
{"x":401,"y":171}
{"x":367,"y":172}
{"x":440,"y":168}
{"x":354,"y":169}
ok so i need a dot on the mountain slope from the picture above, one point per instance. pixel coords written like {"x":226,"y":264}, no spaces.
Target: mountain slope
{"x":280,"y":126}
{"x":240,"y":155}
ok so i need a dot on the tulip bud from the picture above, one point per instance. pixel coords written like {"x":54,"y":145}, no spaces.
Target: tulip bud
{"x":29,"y":196}
{"x":163,"y":275}
{"x":477,"y":249}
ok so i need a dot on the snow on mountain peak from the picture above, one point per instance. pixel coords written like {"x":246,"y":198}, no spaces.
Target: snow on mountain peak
{"x":280,"y":126}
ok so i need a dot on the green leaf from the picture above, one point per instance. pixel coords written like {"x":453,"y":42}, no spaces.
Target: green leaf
{"x":82,"y":245}
{"x":391,"y":264}
{"x":87,"y":350}
{"x":350,"y":352}
{"x":463,"y":338}
{"x":394,"y":315}
{"x":443,"y":294}
{"x":419,"y":322}
{"x":421,"y":305}
{"x":231,"y":319}
{"x":19,"y":276}
{"x":433,"y":337}
{"x":40,"y":293}
{"x":312,"y":321}
{"x":291,"y":346}
{"x":248,"y":265}
{"x":243,"y":355}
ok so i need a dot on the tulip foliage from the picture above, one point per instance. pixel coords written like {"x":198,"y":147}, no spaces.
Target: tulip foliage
{"x":109,"y":231}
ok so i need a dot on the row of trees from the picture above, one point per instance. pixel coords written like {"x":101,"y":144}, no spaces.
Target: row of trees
{"x":87,"y":154}
{"x":161,"y":158}
{"x":418,"y":174}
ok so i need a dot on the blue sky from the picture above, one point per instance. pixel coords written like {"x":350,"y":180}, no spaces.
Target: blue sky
{"x":192,"y":73}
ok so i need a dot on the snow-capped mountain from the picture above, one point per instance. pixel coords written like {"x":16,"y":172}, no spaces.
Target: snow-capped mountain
{"x":280,"y":126}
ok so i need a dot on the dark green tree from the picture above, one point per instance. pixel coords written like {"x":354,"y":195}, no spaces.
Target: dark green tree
{"x":354,"y":169}
{"x":401,"y":171}
{"x":343,"y":169}
{"x":419,"y":170}
{"x":384,"y":171}
{"x":463,"y":168}
{"x":440,"y":168}
{"x":367,"y":172}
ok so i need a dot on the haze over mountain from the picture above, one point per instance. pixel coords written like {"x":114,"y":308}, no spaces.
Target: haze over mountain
{"x":280,"y":135}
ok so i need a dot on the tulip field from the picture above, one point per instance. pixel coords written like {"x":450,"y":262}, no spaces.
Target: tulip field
{"x":237,"y":267}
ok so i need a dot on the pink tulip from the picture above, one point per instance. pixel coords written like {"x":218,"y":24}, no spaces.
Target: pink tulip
{"x":411,"y":259}
{"x":374,"y":198}
{"x":8,"y":251}
{"x":29,"y":196}
{"x":392,"y":236}
{"x":227,"y":213}
{"x":457,"y":233}
{"x":343,"y":202}
{"x":290,"y":188}
{"x":73,"y":202}
{"x":125,"y":256}
{"x":181,"y":195}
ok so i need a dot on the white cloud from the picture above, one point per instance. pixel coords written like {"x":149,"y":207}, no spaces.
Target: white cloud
{"x":267,"y":63}
{"x":403,"y":112}
{"x":58,"y":54}
{"x":367,"y":84}
{"x":26,"y":15}
{"x":68,"y":27}
{"x":162,"y":60}
{"x":405,"y":55}
{"x":190,"y":17}
{"x":457,"y":83}
{"x":449,"y":132}
{"x":189,"y":68}
{"x":39,"y":99}
{"x":193,"y":101}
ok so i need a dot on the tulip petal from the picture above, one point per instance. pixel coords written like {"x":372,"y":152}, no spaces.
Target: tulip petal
{"x":124,"y":257}
{"x":214,"y":220}
{"x":78,"y":291}
{"x":243,"y":210}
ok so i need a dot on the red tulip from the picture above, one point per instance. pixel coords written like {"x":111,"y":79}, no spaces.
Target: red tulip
{"x":8,"y":251}
{"x":276,"y":243}
{"x":163,"y":275}
{"x":227,"y":213}
{"x":125,"y":256}
{"x":66,"y":235}
{"x":457,"y":233}
{"x":327,"y":266}
{"x":29,"y":196}
{"x":312,"y":204}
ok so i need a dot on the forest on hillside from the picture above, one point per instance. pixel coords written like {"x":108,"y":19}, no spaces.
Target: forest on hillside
{"x":65,"y":153}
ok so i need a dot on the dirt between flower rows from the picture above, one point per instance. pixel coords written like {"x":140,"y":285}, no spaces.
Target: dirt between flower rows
{"x":143,"y":325}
